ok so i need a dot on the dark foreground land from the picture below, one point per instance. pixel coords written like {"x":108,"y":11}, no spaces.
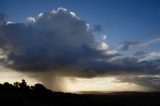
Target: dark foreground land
{"x":20,"y":94}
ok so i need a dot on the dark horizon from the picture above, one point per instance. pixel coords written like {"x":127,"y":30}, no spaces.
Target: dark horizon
{"x":21,"y":94}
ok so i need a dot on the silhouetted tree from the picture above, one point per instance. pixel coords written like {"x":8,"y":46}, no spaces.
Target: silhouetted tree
{"x":7,"y":85}
{"x":1,"y":85}
{"x":39,"y":87}
{"x":23,"y":84}
{"x":16,"y":84}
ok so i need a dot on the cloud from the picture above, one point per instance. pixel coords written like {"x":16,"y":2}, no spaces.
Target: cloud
{"x":53,"y":41}
{"x":151,"y":82}
{"x":150,"y":56}
{"x":31,"y":20}
{"x":2,"y":19}
{"x":146,"y":56}
{"x":128,"y":44}
{"x":47,"y":41}
{"x":125,"y":46}
{"x":57,"y":43}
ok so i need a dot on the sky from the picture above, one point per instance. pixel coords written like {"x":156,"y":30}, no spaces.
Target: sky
{"x":81,"y":45}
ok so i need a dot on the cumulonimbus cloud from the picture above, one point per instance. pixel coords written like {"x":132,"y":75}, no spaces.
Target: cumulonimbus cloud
{"x":49,"y":40}
{"x":58,"y":41}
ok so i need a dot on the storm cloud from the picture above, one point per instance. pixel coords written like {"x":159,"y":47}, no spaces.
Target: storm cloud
{"x":47,"y":41}
{"x":58,"y":42}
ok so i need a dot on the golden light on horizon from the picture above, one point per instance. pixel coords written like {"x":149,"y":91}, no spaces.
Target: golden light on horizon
{"x":7,"y":75}
{"x":73,"y":84}
{"x":104,"y":84}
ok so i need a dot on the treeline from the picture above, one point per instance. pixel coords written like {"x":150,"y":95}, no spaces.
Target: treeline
{"x":21,"y":94}
{"x":22,"y":87}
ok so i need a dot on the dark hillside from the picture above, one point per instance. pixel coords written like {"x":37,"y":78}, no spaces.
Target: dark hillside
{"x":20,"y":94}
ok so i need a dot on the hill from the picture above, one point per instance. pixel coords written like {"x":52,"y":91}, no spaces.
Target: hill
{"x":20,"y":94}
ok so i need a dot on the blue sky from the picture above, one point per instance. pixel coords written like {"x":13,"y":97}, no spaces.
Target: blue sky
{"x":121,"y":20}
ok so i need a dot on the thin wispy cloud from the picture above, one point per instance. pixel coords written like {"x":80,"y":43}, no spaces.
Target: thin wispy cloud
{"x":125,"y":46}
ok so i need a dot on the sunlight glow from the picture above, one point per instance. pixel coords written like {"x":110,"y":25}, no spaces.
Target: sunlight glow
{"x":105,"y":84}
{"x":7,"y":75}
{"x":74,"y":84}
